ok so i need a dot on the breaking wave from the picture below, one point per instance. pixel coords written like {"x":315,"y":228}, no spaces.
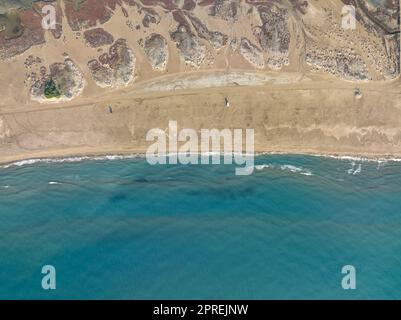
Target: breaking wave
{"x":70,"y":160}
{"x":285,"y":167}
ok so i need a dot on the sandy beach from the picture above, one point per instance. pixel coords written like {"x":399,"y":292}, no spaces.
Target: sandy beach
{"x":311,"y":116}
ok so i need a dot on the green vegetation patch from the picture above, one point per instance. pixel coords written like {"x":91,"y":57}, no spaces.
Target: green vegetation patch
{"x":51,"y":90}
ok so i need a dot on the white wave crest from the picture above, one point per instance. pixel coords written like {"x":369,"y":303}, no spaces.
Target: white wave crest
{"x":285,"y":167}
{"x":70,"y":160}
{"x":360,"y":159}
{"x":381,"y":159}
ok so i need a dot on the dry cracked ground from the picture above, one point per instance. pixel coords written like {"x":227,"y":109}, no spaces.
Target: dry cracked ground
{"x":113,"y":43}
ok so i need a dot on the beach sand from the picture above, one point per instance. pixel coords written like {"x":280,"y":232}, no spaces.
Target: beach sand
{"x":309,"y":116}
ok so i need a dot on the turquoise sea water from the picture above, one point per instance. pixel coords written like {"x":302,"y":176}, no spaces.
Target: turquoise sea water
{"x":125,"y":229}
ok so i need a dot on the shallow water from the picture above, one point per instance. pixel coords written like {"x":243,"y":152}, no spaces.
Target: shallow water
{"x":125,"y":229}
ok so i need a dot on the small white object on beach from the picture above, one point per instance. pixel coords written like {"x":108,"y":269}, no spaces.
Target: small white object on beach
{"x":227,"y":102}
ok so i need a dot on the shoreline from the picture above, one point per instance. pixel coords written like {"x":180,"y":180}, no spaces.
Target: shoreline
{"x":68,"y":157}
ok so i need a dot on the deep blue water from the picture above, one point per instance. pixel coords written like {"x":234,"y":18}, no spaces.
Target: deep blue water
{"x":125,"y":229}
